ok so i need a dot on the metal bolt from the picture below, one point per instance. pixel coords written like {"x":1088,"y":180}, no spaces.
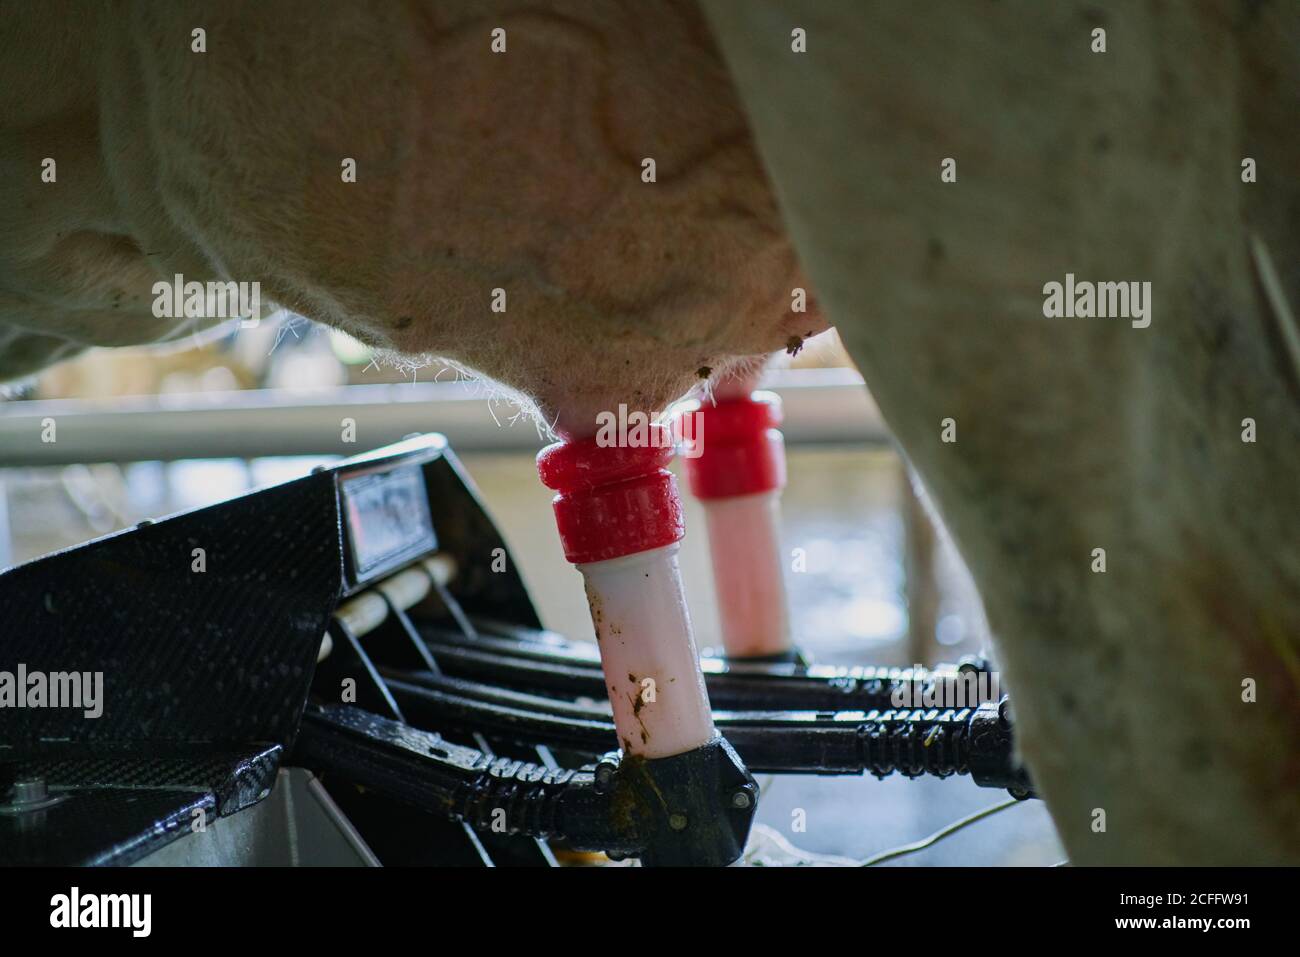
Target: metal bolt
{"x":1004,"y":712}
{"x":29,"y":795}
{"x":677,"y":822}
{"x":605,"y":776}
{"x":740,"y":800}
{"x":30,"y":791}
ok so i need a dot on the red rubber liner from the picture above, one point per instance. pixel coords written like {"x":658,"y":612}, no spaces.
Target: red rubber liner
{"x":742,"y":451}
{"x":613,"y":501}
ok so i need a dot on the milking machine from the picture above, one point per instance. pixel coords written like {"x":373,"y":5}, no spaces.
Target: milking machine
{"x":734,"y":457}
{"x":361,"y":634}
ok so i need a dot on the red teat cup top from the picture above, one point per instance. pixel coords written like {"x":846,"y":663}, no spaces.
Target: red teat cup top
{"x":613,"y":500}
{"x":737,"y":447}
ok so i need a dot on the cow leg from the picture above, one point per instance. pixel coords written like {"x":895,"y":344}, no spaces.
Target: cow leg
{"x":1078,"y":434}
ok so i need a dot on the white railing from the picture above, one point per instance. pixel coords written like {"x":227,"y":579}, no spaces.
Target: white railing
{"x":821,"y":406}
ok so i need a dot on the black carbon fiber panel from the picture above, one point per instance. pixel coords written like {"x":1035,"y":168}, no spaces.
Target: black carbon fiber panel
{"x":100,"y":826}
{"x":235,"y":778}
{"x":116,"y":807}
{"x":220,"y":655}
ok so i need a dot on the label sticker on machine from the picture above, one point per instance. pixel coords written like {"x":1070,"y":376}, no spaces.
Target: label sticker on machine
{"x":388,"y":519}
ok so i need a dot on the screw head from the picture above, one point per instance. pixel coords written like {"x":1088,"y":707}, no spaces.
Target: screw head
{"x":677,"y":822}
{"x":28,"y":799}
{"x":30,"y":791}
{"x":741,"y":800}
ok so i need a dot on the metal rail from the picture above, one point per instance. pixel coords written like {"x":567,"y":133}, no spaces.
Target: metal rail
{"x":824,"y":406}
